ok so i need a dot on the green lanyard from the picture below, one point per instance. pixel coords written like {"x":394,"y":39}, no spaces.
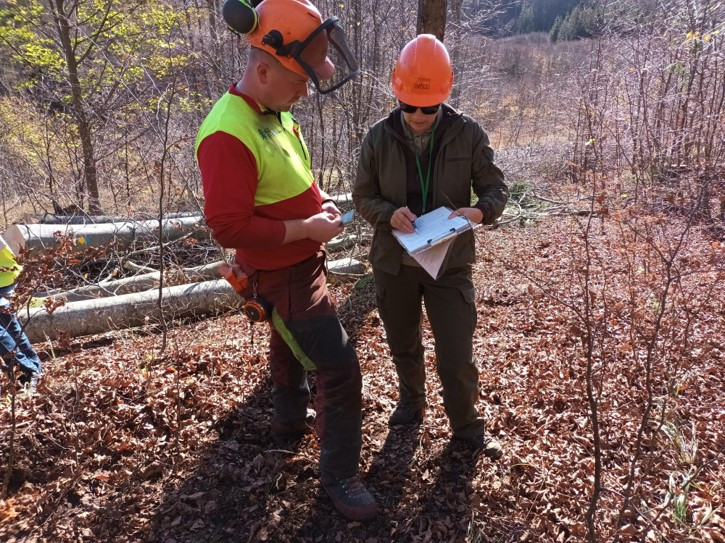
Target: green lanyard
{"x":425,"y":184}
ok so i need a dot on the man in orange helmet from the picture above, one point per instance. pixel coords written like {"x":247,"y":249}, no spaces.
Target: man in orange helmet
{"x":423,"y":156}
{"x":262,"y":199}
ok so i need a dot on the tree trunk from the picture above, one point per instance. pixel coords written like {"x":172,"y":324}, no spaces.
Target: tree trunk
{"x":127,"y":311}
{"x":79,"y":112}
{"x":36,"y":237}
{"x":455,"y":52}
{"x":345,"y":265}
{"x":432,"y":18}
{"x":138,"y":283}
{"x":48,"y":218}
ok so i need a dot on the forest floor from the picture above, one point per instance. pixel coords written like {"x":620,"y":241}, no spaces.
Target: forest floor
{"x":123,"y":444}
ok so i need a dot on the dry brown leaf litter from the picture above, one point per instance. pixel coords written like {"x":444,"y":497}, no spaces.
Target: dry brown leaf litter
{"x":123,"y":445}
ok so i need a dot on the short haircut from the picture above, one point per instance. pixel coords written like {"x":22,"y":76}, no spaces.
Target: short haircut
{"x":257,"y":55}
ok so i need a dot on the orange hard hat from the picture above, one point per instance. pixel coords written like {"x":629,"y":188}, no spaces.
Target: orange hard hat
{"x":282,"y":22}
{"x":272,"y":24}
{"x":423,"y":75}
{"x":294,"y":33}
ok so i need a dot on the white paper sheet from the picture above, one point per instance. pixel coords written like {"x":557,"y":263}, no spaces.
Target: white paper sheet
{"x":434,"y":234}
{"x":431,"y":229}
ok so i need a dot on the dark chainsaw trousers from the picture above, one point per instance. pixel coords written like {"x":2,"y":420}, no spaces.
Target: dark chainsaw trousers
{"x":450,"y":306}
{"x":300,"y":296}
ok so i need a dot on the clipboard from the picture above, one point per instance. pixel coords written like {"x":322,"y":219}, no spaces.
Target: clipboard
{"x":433,"y":237}
{"x":432,"y":229}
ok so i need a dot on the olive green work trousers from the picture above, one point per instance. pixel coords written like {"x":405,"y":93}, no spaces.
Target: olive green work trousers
{"x":451,"y":310}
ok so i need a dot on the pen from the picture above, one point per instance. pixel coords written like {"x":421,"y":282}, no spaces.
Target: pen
{"x":414,"y":227}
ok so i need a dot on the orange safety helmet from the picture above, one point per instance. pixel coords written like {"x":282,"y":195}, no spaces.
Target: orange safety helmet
{"x":282,"y":22}
{"x":423,"y":75}
{"x":294,"y":33}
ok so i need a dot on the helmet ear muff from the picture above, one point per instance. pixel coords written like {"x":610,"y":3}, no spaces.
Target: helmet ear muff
{"x":240,"y":15}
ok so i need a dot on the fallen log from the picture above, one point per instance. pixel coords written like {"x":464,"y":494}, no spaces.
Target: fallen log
{"x":346,"y":266}
{"x":36,"y":237}
{"x":49,"y":218}
{"x":139,"y":283}
{"x":127,"y":311}
{"x":343,"y":199}
{"x":341,"y":242}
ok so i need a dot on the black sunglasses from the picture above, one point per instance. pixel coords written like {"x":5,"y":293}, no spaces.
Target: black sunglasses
{"x":427,"y":110}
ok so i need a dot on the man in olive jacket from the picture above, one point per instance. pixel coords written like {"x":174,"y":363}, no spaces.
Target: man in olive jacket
{"x":423,"y":156}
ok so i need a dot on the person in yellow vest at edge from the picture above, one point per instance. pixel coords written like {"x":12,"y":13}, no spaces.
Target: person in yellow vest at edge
{"x":14,"y":344}
{"x":261,"y":199}
{"x":423,"y":156}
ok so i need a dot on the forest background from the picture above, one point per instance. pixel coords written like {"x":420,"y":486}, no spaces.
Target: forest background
{"x":607,"y":117}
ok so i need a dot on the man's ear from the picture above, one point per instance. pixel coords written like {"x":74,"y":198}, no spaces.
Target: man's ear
{"x":263,"y":72}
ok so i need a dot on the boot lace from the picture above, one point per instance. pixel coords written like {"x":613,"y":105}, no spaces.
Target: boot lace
{"x":354,"y":488}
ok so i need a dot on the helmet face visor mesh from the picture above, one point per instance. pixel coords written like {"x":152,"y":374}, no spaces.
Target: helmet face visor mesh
{"x":326,"y":57}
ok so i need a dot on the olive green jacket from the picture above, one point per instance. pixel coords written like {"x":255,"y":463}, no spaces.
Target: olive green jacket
{"x":464,"y":162}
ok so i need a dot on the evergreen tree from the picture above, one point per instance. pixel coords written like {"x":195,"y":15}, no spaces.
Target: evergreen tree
{"x":555,"y":29}
{"x":541,"y":15}
{"x":525,"y":20}
{"x":583,"y":22}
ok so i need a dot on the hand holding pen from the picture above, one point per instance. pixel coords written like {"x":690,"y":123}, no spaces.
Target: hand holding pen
{"x":403,"y":219}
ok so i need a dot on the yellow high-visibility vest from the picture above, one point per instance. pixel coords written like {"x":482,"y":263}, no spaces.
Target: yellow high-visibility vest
{"x":9,"y":267}
{"x":282,"y":158}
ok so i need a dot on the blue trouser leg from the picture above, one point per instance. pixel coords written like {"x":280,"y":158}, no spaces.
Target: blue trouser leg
{"x":13,"y":340}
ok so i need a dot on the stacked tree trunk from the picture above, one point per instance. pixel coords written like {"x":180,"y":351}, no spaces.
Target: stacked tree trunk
{"x":129,"y":310}
{"x":37,"y":237}
{"x":137,"y":300}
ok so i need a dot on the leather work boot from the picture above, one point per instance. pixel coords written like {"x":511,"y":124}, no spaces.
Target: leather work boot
{"x":293,"y":430}
{"x":489,"y":446}
{"x":406,"y":414}
{"x":351,"y":498}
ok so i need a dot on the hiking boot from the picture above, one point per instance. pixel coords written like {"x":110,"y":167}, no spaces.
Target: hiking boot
{"x":351,"y":498}
{"x":406,"y":414}
{"x":293,"y":430}
{"x":30,"y":379}
{"x":489,"y":446}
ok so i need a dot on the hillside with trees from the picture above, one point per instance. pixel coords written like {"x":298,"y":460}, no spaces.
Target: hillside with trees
{"x":527,"y":16}
{"x":599,"y":292}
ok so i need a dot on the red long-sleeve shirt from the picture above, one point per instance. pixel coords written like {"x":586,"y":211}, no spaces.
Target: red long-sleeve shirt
{"x":230,"y":175}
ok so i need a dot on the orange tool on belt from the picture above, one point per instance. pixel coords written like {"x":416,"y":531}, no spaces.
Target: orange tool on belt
{"x":239,"y":283}
{"x":257,"y":309}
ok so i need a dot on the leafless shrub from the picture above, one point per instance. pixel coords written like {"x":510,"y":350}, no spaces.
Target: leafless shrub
{"x":652,"y":104}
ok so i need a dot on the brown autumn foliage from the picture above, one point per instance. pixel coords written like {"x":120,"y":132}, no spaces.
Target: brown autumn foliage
{"x":121,"y":444}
